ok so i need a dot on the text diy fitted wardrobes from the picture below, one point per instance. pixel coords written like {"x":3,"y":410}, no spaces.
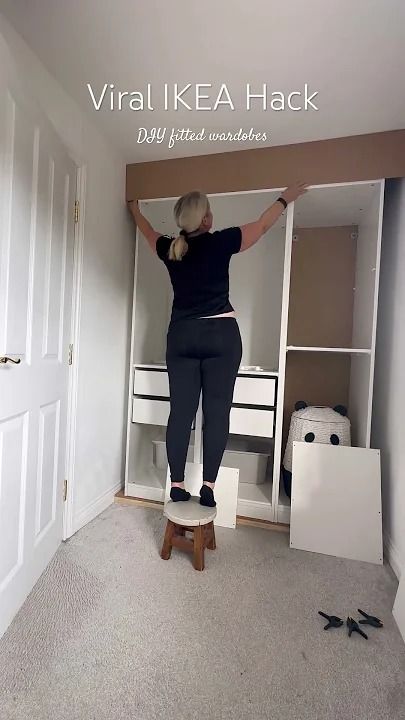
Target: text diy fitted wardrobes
{"x":306,"y":299}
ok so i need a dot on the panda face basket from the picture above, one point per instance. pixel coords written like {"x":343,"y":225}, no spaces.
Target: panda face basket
{"x":318,"y":425}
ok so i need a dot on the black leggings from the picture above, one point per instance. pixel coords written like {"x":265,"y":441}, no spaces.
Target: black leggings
{"x":203,"y":354}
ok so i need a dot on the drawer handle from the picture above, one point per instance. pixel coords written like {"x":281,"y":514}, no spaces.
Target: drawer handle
{"x":5,"y":359}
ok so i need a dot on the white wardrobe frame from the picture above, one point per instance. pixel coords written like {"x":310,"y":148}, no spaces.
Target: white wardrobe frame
{"x":279,"y":513}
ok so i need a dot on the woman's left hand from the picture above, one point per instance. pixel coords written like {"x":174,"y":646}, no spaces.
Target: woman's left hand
{"x":294,"y":191}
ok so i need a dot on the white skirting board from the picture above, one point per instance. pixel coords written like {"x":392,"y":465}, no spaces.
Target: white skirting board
{"x":399,"y":605}
{"x":336,"y":501}
{"x":94,"y":508}
{"x":226,"y":491}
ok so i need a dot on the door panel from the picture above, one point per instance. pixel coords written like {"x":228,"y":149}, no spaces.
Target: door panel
{"x":55,"y":263}
{"x":37,"y":194}
{"x":47,"y":475}
{"x":15,"y":258}
{"x":13,"y":450}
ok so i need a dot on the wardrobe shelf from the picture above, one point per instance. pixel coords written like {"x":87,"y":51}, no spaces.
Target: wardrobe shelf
{"x":150,"y":366}
{"x":351,"y":351}
{"x":272,"y":373}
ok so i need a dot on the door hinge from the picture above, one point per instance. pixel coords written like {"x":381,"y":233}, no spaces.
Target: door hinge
{"x":70,"y":356}
{"x":77,"y":207}
{"x":65,"y":485}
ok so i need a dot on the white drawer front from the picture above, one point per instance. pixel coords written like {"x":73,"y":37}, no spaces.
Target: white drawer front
{"x":151,"y":382}
{"x":255,"y":391}
{"x":150,"y":412}
{"x":247,"y":421}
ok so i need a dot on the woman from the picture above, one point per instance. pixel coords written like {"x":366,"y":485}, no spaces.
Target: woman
{"x":204,"y":347}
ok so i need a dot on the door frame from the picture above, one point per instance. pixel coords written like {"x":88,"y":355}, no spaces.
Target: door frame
{"x":68,"y":507}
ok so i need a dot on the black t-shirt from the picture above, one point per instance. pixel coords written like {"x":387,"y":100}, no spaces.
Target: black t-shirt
{"x":201,"y":279}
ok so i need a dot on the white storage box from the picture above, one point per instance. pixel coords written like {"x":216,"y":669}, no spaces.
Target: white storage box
{"x":252,"y":466}
{"x":160,"y":454}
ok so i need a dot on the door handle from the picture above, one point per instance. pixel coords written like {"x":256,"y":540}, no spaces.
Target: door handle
{"x":5,"y":359}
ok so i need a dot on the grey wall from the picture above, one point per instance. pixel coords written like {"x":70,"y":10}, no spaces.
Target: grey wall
{"x":388,"y":430}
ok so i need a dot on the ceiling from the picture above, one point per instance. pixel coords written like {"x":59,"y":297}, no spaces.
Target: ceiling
{"x":351,"y":53}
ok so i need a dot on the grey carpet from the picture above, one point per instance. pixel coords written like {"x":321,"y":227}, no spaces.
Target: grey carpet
{"x":113,"y":632}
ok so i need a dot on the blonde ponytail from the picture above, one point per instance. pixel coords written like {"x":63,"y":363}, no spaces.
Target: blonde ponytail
{"x":178,"y":248}
{"x":189,"y":212}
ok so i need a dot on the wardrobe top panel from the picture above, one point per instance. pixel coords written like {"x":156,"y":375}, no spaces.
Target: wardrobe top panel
{"x":228,"y":209}
{"x":336,"y":205}
{"x":160,"y":214}
{"x":330,"y":206}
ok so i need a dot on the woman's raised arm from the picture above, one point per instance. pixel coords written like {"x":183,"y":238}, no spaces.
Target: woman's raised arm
{"x":143,"y":224}
{"x":252,"y":232}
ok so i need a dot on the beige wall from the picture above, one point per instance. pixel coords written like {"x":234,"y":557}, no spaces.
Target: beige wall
{"x":360,"y":157}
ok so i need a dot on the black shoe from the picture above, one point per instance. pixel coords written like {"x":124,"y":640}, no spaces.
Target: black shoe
{"x":179,"y":494}
{"x":207,"y":496}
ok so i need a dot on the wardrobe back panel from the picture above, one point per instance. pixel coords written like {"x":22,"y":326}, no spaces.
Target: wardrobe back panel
{"x":151,"y":309}
{"x":256,"y":280}
{"x":153,"y":290}
{"x":256,"y":277}
{"x":321,"y":288}
{"x":317,"y":378}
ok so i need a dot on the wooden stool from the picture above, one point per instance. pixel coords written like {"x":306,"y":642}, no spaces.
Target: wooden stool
{"x":193,"y":518}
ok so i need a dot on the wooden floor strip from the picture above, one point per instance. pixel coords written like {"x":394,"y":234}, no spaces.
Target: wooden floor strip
{"x":123,"y":499}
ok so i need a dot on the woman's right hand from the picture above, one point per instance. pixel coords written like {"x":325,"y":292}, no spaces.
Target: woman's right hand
{"x":132,"y":205}
{"x":294,"y":191}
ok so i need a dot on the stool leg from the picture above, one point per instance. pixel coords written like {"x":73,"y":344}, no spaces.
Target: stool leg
{"x":211,"y":544}
{"x":199,"y":548}
{"x":167,"y":542}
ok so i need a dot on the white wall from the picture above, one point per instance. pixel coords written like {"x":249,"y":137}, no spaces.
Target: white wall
{"x":106,"y":290}
{"x":389,"y":391}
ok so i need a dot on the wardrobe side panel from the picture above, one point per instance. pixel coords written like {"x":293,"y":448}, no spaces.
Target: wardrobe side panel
{"x":365,"y":316}
{"x":277,"y":490}
{"x":366,"y":264}
{"x":359,"y":394}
